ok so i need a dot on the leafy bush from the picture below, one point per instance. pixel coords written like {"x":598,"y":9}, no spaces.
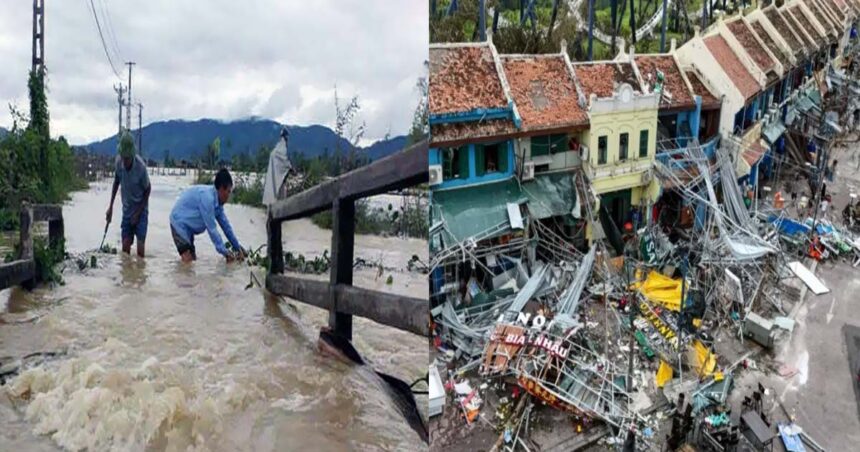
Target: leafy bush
{"x":47,"y":257}
{"x":34,"y":167}
{"x":248,"y":192}
{"x":412,"y":222}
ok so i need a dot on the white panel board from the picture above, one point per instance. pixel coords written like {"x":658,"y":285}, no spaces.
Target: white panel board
{"x":514,"y":216}
{"x":815,"y":285}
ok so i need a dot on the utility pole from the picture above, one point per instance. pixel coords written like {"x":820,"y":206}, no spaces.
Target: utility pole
{"x":119,"y":89}
{"x":590,"y":30}
{"x":482,"y":21}
{"x":38,"y":34}
{"x":663,"y":31}
{"x":140,"y":128}
{"x":128,"y":105}
{"x":613,"y":8}
{"x":633,"y":21}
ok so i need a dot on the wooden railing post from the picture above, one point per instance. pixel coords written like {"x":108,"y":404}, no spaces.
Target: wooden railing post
{"x":275,"y":247}
{"x":56,"y":232}
{"x":342,"y":248}
{"x":26,"y":223}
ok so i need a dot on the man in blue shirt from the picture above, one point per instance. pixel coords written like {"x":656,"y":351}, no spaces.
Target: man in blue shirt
{"x":131,"y":175}
{"x":198,"y":209}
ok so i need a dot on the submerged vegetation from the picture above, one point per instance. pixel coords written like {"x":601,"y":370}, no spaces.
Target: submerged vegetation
{"x":411,"y":221}
{"x":46,"y":257}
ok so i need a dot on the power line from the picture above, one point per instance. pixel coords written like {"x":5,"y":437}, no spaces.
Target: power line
{"x":101,"y":36}
{"x":110,"y":29}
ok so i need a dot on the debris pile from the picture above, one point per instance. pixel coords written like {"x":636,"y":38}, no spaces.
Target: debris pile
{"x":529,"y":318}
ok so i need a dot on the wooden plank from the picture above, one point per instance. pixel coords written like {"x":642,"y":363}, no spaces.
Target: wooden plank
{"x":16,"y":272}
{"x":56,"y":232}
{"x":397,"y":171}
{"x":275,"y":248}
{"x":315,"y":293}
{"x":47,"y":212}
{"x":405,"y":313}
{"x":26,"y":238}
{"x":342,"y":251}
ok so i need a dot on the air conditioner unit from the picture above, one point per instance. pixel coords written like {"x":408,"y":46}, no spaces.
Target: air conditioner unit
{"x":528,"y":171}
{"x":435,"y":174}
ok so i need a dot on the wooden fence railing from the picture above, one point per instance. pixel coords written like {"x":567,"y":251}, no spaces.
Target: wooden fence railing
{"x":398,"y":171}
{"x":23,"y":270}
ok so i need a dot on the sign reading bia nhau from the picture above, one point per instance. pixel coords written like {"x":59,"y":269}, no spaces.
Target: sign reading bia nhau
{"x":554,"y":347}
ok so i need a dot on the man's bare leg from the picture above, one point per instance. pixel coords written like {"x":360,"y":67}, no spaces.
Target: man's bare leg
{"x":187,"y":257}
{"x":140,"y":248}
{"x":126,"y":245}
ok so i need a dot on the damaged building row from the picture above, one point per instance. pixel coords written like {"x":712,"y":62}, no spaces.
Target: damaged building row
{"x":596,"y":226}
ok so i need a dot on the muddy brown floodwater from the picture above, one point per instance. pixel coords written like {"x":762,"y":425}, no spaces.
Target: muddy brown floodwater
{"x":161,"y":356}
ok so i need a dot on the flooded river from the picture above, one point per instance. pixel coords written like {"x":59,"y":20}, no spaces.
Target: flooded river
{"x":162,"y":356}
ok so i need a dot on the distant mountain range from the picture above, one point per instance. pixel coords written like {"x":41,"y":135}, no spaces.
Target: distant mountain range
{"x":3,"y":132}
{"x":189,"y":139}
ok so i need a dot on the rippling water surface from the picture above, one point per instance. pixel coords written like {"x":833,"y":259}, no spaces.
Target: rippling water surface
{"x":162,"y":356}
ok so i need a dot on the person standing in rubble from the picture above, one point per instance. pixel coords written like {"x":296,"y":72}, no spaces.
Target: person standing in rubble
{"x":832,"y":171}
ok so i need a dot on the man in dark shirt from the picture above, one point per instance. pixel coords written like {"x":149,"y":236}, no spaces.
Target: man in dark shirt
{"x":132,"y":177}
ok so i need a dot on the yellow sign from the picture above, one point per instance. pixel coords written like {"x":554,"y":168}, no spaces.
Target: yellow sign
{"x":665,"y":330}
{"x":662,"y":290}
{"x":664,"y":373}
{"x":701,"y":359}
{"x":536,"y":389}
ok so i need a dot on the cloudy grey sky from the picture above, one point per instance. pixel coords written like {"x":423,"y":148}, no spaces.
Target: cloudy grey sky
{"x":223,"y":59}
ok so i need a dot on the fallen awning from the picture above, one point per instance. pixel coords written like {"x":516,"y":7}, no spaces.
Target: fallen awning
{"x":662,"y":290}
{"x":790,"y":116}
{"x":550,"y":195}
{"x":804,"y":104}
{"x":753,"y":153}
{"x":773,"y":131}
{"x":814,"y":96}
{"x":470,"y":211}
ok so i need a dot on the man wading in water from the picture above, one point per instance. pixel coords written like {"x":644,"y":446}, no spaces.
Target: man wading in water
{"x":131,"y":175}
{"x":198,"y":209}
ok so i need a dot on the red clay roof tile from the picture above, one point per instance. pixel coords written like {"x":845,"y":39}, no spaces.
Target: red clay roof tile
{"x":464,"y":78}
{"x":601,"y":78}
{"x":732,"y":66}
{"x":834,"y":10}
{"x":709,"y":100}
{"x":673,"y":80}
{"x":784,"y":30}
{"x":747,"y":39}
{"x":758,"y":28}
{"x":823,"y":18}
{"x":793,"y":17}
{"x":543,"y":92}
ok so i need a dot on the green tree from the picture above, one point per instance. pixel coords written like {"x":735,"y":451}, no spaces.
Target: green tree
{"x":32,"y":166}
{"x":261,"y":159}
{"x":349,"y":130}
{"x":420,"y":119}
{"x":213,"y":152}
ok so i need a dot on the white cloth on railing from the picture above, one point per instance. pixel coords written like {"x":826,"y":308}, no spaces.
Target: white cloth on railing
{"x":276,"y":173}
